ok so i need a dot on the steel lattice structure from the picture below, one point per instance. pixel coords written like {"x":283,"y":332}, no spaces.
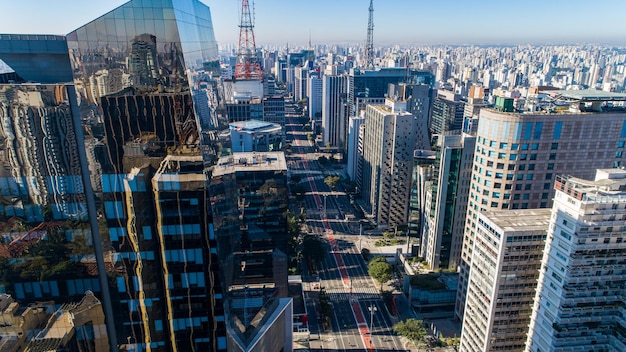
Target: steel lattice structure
{"x":248,"y":66}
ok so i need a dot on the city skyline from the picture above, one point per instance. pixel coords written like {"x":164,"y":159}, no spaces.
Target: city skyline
{"x":455,"y":22}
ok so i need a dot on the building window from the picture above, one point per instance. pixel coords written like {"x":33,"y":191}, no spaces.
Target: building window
{"x":511,"y":167}
{"x":544,"y":195}
{"x":498,"y":175}
{"x":529,"y":177}
{"x":507,"y":186}
{"x":534,"y":146}
{"x":620,"y":144}
{"x":543,"y":205}
{"x":546,"y":185}
{"x":618,"y":154}
{"x":551,"y":166}
{"x":496,"y":195}
{"x":501,"y":155}
{"x":523,"y":156}
{"x":520,"y":177}
{"x":497,"y":185}
{"x":554,"y":146}
{"x":558,"y":126}
{"x":518,"y":187}
{"x":494,"y":204}
{"x":526,"y":196}
{"x":552,"y":156}
{"x":522,"y":167}
{"x":533,"y":156}
{"x":512,"y":156}
{"x":524,"y":146}
{"x":524,"y":205}
{"x":514,"y":146}
{"x":531,"y":167}
{"x":509,"y":177}
{"x":548,"y":176}
{"x":516,"y":197}
{"x":527,"y":186}
{"x":507,"y":196}
{"x":500,"y":166}
{"x":504,"y":145}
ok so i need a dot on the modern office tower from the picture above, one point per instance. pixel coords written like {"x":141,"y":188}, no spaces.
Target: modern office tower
{"x":423,"y":161}
{"x":389,"y":142}
{"x":162,"y":299}
{"x":446,"y":202}
{"x":375,"y":84}
{"x":249,"y":199}
{"x":314,"y":91}
{"x":354,"y":156}
{"x":447,"y":112}
{"x":518,"y":154}
{"x":334,"y":114}
{"x":274,"y":109}
{"x":256,"y":136}
{"x":243,"y":107}
{"x":579,"y":304}
{"x":505,"y":266}
{"x":280,"y":67}
{"x":300,"y":83}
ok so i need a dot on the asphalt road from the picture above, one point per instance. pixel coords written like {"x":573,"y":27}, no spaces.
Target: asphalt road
{"x":343,"y":273}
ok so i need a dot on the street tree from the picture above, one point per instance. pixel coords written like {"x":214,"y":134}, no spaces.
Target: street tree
{"x":313,"y":249}
{"x":381,"y":271}
{"x":412,"y":329}
{"x":332,"y":181}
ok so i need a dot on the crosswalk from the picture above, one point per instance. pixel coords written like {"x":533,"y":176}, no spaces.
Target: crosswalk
{"x":337,"y":295}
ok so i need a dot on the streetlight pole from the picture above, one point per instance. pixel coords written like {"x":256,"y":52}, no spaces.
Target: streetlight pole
{"x":372,"y":309}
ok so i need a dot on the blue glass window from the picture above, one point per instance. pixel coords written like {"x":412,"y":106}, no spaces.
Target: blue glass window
{"x":558,"y":126}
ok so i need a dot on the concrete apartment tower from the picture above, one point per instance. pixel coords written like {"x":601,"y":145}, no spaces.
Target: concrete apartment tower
{"x":507,"y":256}
{"x":518,"y":156}
{"x":579,"y":304}
{"x":389,"y":142}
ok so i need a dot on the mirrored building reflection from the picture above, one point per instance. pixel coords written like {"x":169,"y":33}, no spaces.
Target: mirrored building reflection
{"x":147,"y":94}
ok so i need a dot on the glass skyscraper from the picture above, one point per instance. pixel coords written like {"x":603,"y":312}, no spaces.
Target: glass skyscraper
{"x":103,"y":183}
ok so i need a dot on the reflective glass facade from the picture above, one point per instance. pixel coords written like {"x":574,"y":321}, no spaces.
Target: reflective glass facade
{"x":46,"y":244}
{"x":144,"y":77}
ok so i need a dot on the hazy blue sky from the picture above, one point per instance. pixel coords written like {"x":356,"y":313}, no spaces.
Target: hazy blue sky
{"x":396,"y":21}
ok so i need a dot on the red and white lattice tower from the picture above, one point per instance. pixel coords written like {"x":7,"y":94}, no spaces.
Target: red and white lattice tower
{"x":248,"y":66}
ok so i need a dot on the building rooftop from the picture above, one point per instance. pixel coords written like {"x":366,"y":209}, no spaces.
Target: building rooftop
{"x":585,"y":95}
{"x":254,"y":161}
{"x":609,"y":185}
{"x":253,"y":125}
{"x":520,"y":220}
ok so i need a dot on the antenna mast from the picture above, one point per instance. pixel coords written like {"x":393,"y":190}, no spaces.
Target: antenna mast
{"x":248,"y":66}
{"x":369,"y":45}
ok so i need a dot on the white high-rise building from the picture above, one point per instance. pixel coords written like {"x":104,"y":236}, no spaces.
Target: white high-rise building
{"x":518,"y":155}
{"x":581,"y":291}
{"x":354,"y":156}
{"x":505,"y":266}
{"x":314,"y":91}
{"x":334,"y":128}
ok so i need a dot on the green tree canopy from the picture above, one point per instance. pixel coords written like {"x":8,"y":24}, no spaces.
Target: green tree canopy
{"x":332,"y":181}
{"x":381,"y":271}
{"x":313,"y":248}
{"x":412,"y":329}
